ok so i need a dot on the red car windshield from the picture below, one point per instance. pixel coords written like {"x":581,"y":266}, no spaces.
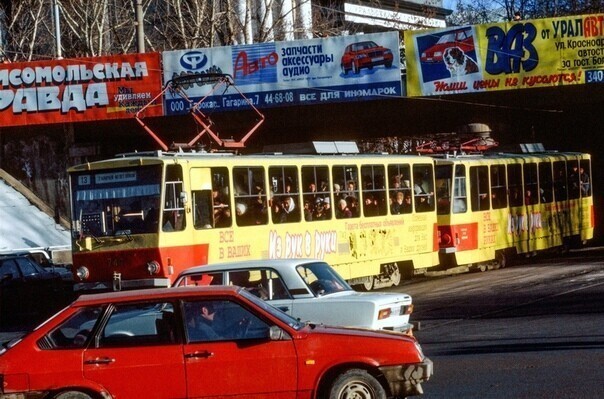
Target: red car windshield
{"x":363,"y":46}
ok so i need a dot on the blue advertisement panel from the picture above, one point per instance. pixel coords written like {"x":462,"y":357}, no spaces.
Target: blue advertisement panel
{"x":346,"y":68}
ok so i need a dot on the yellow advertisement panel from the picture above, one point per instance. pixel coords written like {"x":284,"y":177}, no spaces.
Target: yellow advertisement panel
{"x":512,"y":55}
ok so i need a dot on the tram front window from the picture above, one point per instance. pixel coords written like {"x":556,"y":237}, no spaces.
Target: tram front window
{"x":115,"y":202}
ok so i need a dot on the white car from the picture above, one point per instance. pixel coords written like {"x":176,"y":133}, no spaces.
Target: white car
{"x":309,"y":290}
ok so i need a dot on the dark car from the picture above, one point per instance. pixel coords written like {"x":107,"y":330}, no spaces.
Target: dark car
{"x":28,"y":292}
{"x":42,"y":258}
{"x":365,"y":55}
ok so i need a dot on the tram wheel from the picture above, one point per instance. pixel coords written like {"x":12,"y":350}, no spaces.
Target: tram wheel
{"x":396,"y":276}
{"x":501,"y":259}
{"x":368,"y":285}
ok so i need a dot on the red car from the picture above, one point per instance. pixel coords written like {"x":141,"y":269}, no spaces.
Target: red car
{"x":365,"y":55}
{"x":461,"y":38}
{"x":203,"y":342}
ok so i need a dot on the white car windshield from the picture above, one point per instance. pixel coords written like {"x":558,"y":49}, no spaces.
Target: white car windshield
{"x":322,"y":279}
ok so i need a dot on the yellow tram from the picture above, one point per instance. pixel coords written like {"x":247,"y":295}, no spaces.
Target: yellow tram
{"x":139,"y":219}
{"x":491,"y":206}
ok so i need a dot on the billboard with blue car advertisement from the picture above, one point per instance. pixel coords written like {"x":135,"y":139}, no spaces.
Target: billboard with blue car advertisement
{"x":345,"y":68}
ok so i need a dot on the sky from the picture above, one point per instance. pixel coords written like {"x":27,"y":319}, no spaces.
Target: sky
{"x":22,"y":225}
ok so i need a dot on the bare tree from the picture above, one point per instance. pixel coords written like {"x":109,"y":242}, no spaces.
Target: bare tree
{"x":28,"y":36}
{"x":102,"y":27}
{"x":484,"y":11}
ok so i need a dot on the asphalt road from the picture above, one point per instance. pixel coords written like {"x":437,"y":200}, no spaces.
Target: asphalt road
{"x":531,"y":330}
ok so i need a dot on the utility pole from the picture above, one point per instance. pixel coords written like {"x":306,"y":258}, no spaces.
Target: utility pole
{"x":55,"y":7}
{"x":140,"y":31}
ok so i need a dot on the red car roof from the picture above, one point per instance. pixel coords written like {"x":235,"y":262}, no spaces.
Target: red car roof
{"x":153,"y":293}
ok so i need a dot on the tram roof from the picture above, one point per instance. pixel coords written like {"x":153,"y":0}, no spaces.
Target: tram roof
{"x":159,"y":157}
{"x":510,"y":155}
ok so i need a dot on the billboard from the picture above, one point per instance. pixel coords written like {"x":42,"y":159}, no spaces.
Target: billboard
{"x":79,"y":89}
{"x":512,"y":55}
{"x":336,"y":69}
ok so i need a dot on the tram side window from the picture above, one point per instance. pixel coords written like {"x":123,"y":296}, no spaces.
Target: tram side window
{"x":285,"y":194}
{"x":221,"y":202}
{"x":584,"y":177}
{"x":560,"y":192}
{"x":346,"y":191}
{"x":444,"y":185}
{"x":460,"y":192}
{"x":399,"y":178}
{"x":546,"y":184}
{"x":250,"y":196}
{"x":479,"y":188}
{"x":174,"y":200}
{"x":316,"y":193}
{"x":373,"y":190}
{"x":531,"y":188}
{"x":573,"y":179}
{"x":515,"y":185}
{"x":423,"y":187}
{"x":498,"y":187}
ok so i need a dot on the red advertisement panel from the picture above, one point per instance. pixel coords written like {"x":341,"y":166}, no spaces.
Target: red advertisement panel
{"x":79,"y":89}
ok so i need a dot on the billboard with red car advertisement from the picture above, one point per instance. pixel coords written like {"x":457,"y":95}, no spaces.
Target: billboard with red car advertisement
{"x":513,"y":55}
{"x":313,"y":71}
{"x":79,"y":89}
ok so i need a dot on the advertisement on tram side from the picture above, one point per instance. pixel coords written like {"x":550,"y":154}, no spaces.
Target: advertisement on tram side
{"x":518,"y":54}
{"x":335,"y":69}
{"x":79,"y":89}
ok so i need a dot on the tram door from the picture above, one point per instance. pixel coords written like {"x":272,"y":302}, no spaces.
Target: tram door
{"x":201,"y":195}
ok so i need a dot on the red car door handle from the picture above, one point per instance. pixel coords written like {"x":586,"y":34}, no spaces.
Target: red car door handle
{"x":203,"y":354}
{"x":99,"y":360}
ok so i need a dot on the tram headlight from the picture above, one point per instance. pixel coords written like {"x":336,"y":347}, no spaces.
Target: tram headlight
{"x":153,"y":267}
{"x":446,"y":239}
{"x":82,"y":273}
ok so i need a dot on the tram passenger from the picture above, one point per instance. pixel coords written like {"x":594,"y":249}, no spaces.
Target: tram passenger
{"x":396,"y":208}
{"x":326,"y":208}
{"x":343,"y":210}
{"x":585,"y":185}
{"x":371,"y":207}
{"x":241,"y":213}
{"x":337,"y":194}
{"x":351,"y":189}
{"x":308,"y":213}
{"x":574,"y":182}
{"x":318,"y":210}
{"x":289,"y":211}
{"x":421,"y":196}
{"x":528,"y":198}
